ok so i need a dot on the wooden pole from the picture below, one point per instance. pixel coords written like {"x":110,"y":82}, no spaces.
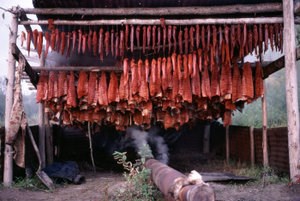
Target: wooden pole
{"x":257,"y":20}
{"x":264,"y":130}
{"x":79,"y":68}
{"x":8,"y":153}
{"x":163,"y":11}
{"x":91,"y":146}
{"x":289,"y":46}
{"x":48,"y":129}
{"x":227,"y":145}
{"x":252,"y":152}
{"x":41,"y":123}
{"x":206,"y":139}
{"x":49,"y":140}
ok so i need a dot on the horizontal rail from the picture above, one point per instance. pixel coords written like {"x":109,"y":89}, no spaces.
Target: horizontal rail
{"x":162,"y":11}
{"x":257,"y":20}
{"x":78,"y":68}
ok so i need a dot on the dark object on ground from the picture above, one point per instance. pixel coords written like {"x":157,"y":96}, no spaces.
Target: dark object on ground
{"x":223,"y":177}
{"x":65,"y":171}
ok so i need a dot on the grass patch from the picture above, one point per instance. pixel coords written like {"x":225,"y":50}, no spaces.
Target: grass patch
{"x":29,"y":183}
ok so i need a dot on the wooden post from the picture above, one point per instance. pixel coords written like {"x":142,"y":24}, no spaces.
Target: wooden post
{"x":206,"y":137}
{"x":252,"y":153}
{"x":289,"y":45}
{"x":8,"y":153}
{"x":264,"y":130}
{"x":49,"y":140}
{"x":227,"y":145}
{"x":41,"y":124}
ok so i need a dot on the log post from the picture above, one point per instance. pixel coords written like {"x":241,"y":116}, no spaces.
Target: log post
{"x":289,"y":46}
{"x":49,"y":140}
{"x":264,"y":130}
{"x":252,"y":153}
{"x":227,"y":145}
{"x":206,"y":139}
{"x":41,"y":123}
{"x":8,"y":153}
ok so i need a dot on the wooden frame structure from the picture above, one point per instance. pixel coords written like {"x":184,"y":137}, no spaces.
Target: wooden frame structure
{"x":287,"y":6}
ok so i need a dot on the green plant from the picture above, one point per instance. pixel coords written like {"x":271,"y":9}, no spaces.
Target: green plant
{"x":140,"y":187}
{"x":262,"y":175}
{"x":29,"y":183}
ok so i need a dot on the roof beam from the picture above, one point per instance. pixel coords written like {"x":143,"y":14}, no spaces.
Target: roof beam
{"x":277,"y":65}
{"x":162,"y":11}
{"x":257,"y":20}
{"x":79,"y":68}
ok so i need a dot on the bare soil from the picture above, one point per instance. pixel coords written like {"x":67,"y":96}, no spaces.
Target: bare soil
{"x":96,"y":186}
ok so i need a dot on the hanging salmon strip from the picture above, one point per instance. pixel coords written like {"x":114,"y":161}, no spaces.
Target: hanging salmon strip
{"x":134,"y":77}
{"x":123,"y":89}
{"x":215,"y":87}
{"x":143,"y":89}
{"x":62,"y":77}
{"x":42,"y":86}
{"x":113,"y":91}
{"x":186,"y":84}
{"x":51,"y":81}
{"x":71,"y":96}
{"x":164,"y":81}
{"x":236,"y":83}
{"x":226,"y":82}
{"x":247,"y":82}
{"x":102,"y":88}
{"x":82,"y":87}
{"x":92,"y":87}
{"x":205,"y":84}
{"x":175,"y":80}
{"x":158,"y":92}
{"x":169,"y":73}
{"x":152,"y":82}
{"x":196,"y":83}
{"x":259,"y":82}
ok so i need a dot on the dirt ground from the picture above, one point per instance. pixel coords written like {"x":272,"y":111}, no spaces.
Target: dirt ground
{"x":96,"y":185}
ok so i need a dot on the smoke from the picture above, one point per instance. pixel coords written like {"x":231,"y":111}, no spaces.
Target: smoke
{"x":159,"y":146}
{"x":148,"y":144}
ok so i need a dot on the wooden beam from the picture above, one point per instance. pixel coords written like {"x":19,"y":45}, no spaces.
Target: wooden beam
{"x":206,"y":139}
{"x":264,"y":130}
{"x":227,"y":144}
{"x":207,"y":10}
{"x":252,"y":148}
{"x":41,"y":123}
{"x":255,"y":20}
{"x":289,"y":45}
{"x":34,"y":77}
{"x":277,"y":65}
{"x":79,"y":68}
{"x":9,"y":98}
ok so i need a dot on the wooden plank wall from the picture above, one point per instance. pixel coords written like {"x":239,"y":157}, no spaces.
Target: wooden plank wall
{"x":277,"y":142}
{"x":239,"y":143}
